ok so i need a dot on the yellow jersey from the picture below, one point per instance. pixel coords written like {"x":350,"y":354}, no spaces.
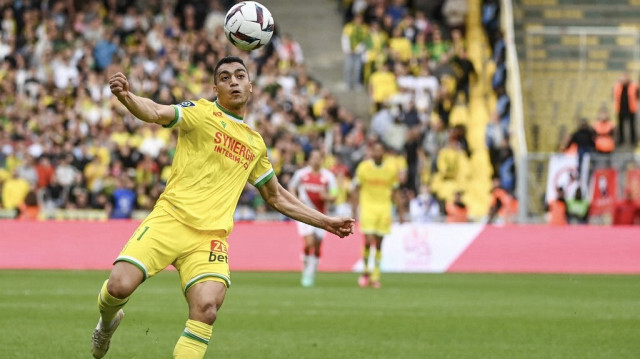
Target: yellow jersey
{"x":383,"y":85}
{"x":376,"y":183}
{"x":216,"y":154}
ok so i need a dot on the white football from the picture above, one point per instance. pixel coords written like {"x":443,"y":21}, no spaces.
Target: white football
{"x":248,"y":25}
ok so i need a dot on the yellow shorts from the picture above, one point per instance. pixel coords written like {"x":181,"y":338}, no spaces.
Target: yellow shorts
{"x":375,"y":220}
{"x":161,"y":240}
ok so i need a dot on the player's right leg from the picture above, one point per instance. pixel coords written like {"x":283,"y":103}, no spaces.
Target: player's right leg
{"x":114,"y":294}
{"x":368,"y":226}
{"x":151,"y":248}
{"x":383,"y":227}
{"x":364,"y":279}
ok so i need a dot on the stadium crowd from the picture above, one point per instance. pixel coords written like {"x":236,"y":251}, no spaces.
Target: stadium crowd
{"x":66,"y":143}
{"x":414,"y":64}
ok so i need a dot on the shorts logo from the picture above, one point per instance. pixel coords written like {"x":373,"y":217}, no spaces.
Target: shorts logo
{"x":218,"y":252}
{"x":219,"y":247}
{"x":187,"y":104}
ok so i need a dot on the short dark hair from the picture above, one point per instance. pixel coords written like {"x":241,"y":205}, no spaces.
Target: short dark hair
{"x":226,"y":60}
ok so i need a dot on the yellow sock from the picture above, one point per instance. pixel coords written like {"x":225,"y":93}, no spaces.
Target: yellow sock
{"x":109,"y":305}
{"x":365,"y":256}
{"x":193,"y":342}
{"x":376,"y":268}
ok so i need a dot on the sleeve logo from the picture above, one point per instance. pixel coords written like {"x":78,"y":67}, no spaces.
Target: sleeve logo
{"x":187,"y":104}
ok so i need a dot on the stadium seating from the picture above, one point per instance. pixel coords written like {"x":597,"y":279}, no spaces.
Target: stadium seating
{"x":568,"y":73}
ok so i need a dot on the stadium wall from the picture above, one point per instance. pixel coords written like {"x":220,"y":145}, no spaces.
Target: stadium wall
{"x":275,"y":246}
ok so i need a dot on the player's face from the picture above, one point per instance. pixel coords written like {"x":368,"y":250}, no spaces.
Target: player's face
{"x":315,"y":160}
{"x":378,"y":153}
{"x":232,"y":85}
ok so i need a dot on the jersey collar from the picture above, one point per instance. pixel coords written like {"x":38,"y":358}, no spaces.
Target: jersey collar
{"x":228,"y":113}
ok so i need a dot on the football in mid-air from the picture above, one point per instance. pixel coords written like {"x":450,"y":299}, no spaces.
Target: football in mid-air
{"x":248,"y":25}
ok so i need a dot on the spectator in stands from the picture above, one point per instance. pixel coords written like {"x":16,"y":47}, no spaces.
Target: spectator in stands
{"x":578,"y":208}
{"x":54,"y":195}
{"x":627,"y":211}
{"x":503,"y":108}
{"x":464,"y":71}
{"x":400,"y":46}
{"x":604,"y":129}
{"x":503,"y":204}
{"x":491,"y":20}
{"x":507,"y":166}
{"x":584,"y":139}
{"x":455,"y":13}
{"x":557,"y":209}
{"x":123,"y":198}
{"x":625,"y":104}
{"x":397,"y":10}
{"x":436,"y":138}
{"x":499,"y":78}
{"x":456,"y":209}
{"x":14,"y":191}
{"x":27,"y":171}
{"x":29,"y":209}
{"x":452,"y":170}
{"x":44,"y":171}
{"x":375,"y":54}
{"x":382,"y":85}
{"x":289,"y":51}
{"x":424,"y":207}
{"x":355,"y":36}
{"x":438,"y":48}
{"x":494,"y":137}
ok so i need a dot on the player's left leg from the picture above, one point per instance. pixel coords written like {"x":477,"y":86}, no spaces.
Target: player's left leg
{"x":204,"y":273}
{"x":204,"y":299}
{"x":310,"y":260}
{"x":375,"y":277}
{"x":315,"y":241}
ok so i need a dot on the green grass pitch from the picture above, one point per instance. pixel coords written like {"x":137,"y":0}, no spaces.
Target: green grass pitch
{"x":51,"y":314}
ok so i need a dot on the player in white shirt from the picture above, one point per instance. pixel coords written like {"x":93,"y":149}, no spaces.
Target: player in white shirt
{"x":316,"y":187}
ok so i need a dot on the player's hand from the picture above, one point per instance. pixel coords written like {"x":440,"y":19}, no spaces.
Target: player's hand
{"x":341,"y":226}
{"x":119,"y":85}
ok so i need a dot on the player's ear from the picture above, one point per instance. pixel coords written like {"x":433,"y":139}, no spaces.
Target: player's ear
{"x":215,"y":89}
{"x":250,"y":87}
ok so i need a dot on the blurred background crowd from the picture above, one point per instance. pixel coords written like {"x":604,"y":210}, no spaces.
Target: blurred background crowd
{"x":66,"y":142}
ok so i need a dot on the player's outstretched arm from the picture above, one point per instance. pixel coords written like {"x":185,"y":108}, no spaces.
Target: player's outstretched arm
{"x":143,"y":108}
{"x":286,"y":203}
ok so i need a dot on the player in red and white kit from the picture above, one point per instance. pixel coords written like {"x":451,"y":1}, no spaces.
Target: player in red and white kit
{"x":317,"y":188}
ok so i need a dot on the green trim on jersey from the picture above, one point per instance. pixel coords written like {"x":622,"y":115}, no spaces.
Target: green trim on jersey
{"x":227,"y":112}
{"x":186,"y":333}
{"x":264,"y":178}
{"x":176,"y":117}
{"x":135,"y":262}
{"x":201,"y":276}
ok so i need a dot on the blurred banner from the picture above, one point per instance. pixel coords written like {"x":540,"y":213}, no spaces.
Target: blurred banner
{"x":563,"y":172}
{"x":423,"y":248}
{"x":604,"y":191}
{"x":633,"y":184}
{"x":276,"y":246}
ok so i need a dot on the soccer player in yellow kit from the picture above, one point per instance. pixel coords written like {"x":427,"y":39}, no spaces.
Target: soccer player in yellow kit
{"x":216,"y":154}
{"x":376,"y":183}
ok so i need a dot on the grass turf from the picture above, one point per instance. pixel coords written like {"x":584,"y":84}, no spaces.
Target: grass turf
{"x":51,"y":314}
